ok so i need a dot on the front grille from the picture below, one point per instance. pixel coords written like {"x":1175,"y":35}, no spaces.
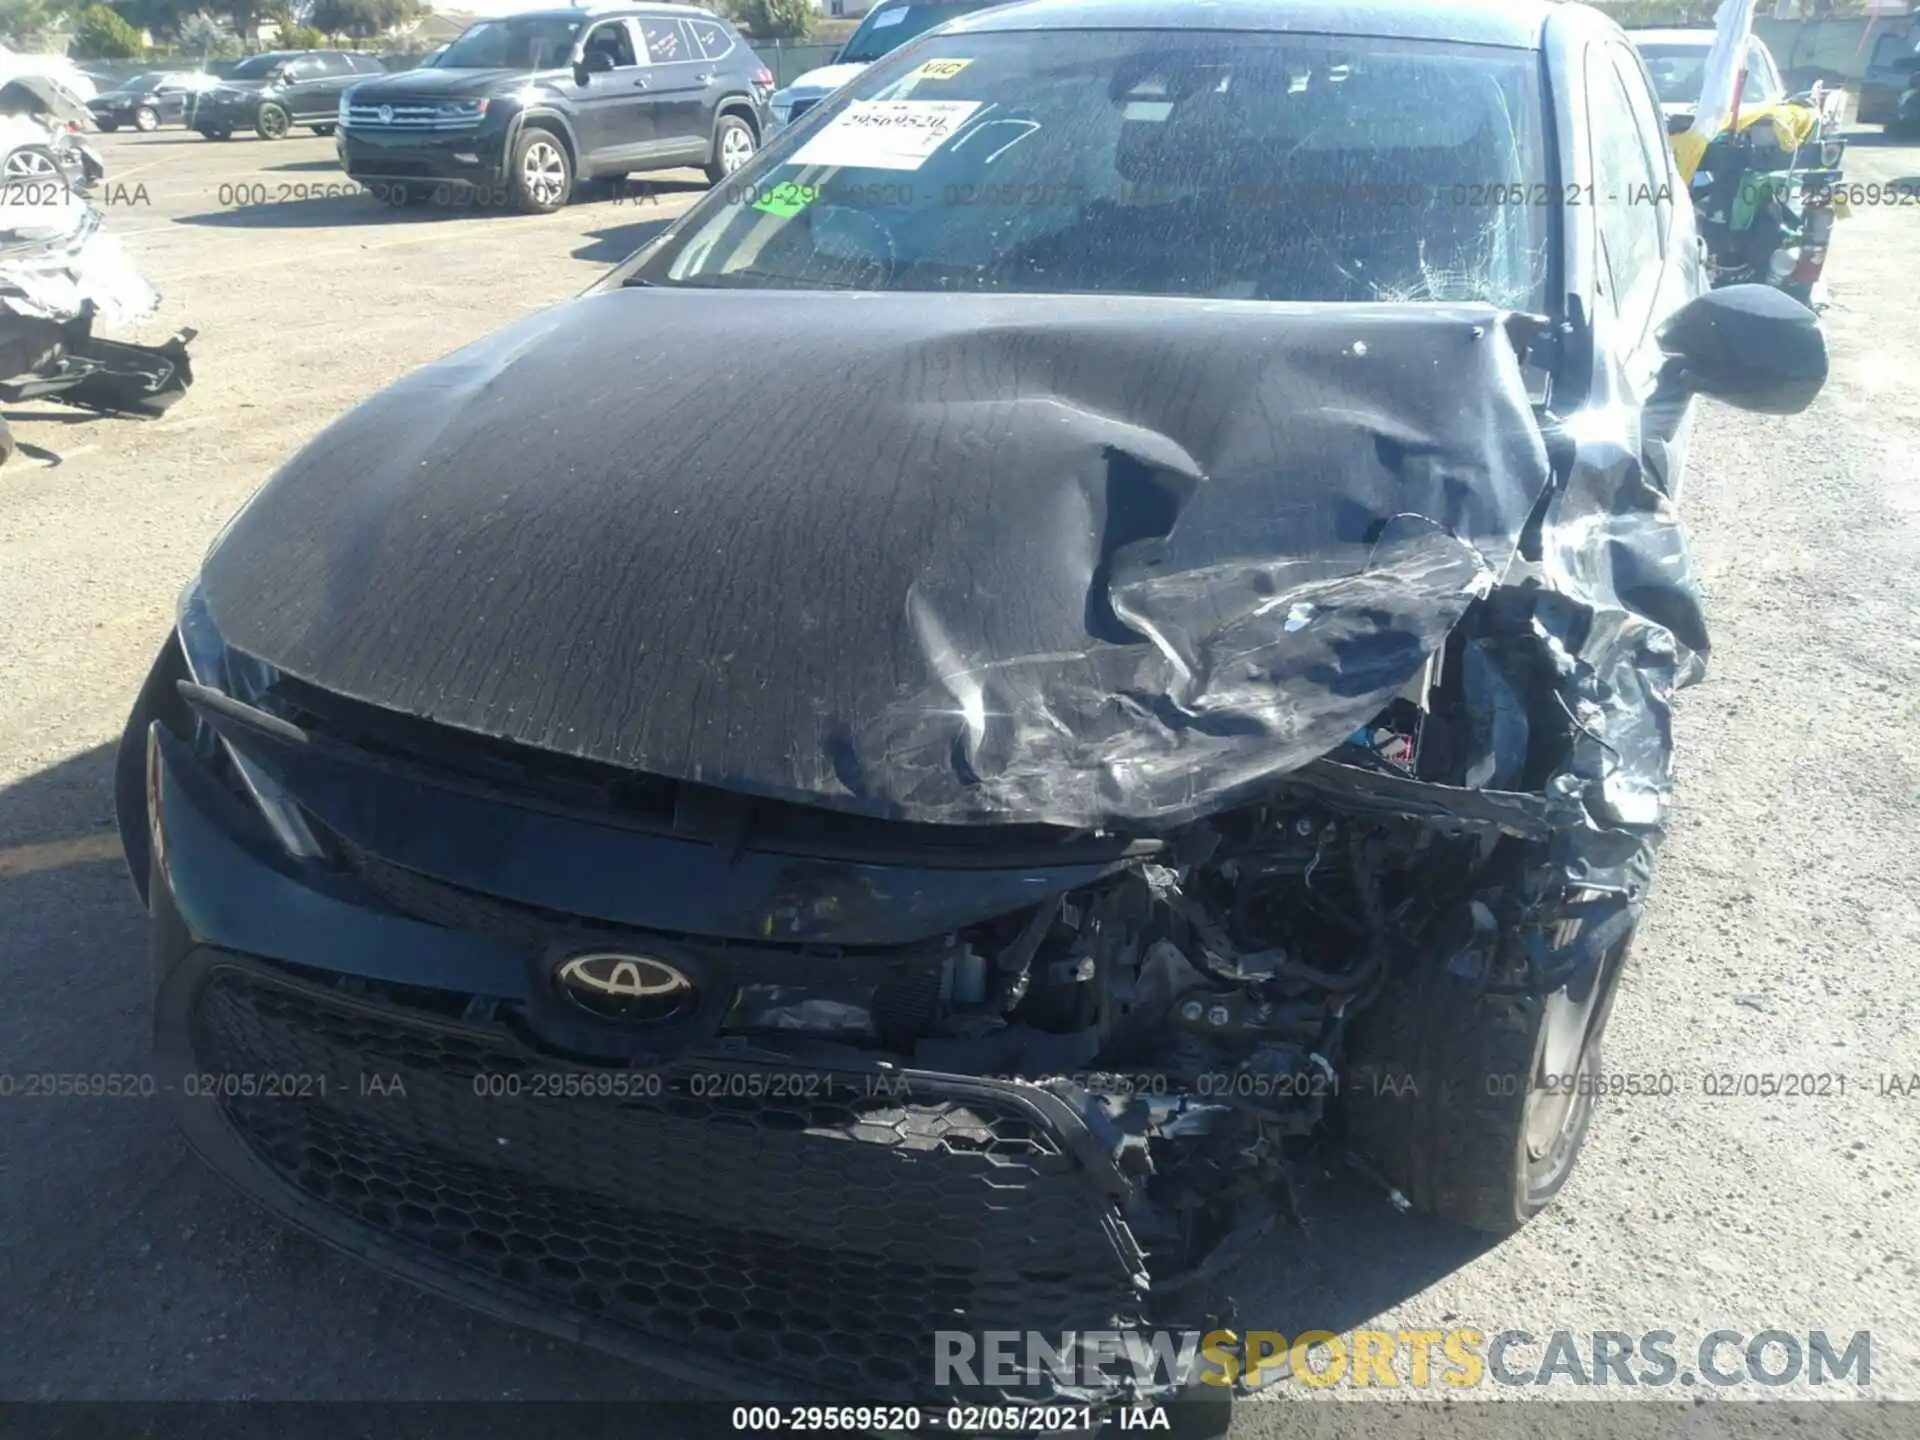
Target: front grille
{"x":811,"y":1229}
{"x":406,"y":117}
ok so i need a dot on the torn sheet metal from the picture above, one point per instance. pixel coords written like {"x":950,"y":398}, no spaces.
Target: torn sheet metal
{"x":1091,"y":561}
{"x":57,"y":258}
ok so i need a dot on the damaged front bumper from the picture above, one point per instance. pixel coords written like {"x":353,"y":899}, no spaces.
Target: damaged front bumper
{"x":908,"y":1095}
{"x":114,"y":377}
{"x":1067,"y":956}
{"x":773,"y":1217}
{"x":64,"y":275}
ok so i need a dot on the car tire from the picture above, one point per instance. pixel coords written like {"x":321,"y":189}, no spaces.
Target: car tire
{"x":1443,"y":1096}
{"x":272,"y":122}
{"x":33,"y":163}
{"x":539,"y":174}
{"x":321,"y":129}
{"x":733,"y":147}
{"x":146,"y":119}
{"x":105,"y":126}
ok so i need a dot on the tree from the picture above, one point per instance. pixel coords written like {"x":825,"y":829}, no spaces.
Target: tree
{"x":100,"y":34}
{"x":363,"y":17}
{"x":24,"y":23}
{"x":205,"y":38}
{"x":775,"y":19}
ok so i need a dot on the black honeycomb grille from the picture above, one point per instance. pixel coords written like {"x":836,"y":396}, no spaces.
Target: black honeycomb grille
{"x":820,"y":1234}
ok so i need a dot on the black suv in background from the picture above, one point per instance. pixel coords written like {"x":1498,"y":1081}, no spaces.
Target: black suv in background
{"x":526,"y":105}
{"x":270,"y":94}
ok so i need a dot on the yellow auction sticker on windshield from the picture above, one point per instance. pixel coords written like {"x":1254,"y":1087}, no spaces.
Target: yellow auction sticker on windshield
{"x":940,"y":69}
{"x":886,"y":134}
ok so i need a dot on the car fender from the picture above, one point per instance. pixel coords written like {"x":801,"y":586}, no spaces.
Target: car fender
{"x":548,"y":118}
{"x":739,"y":102}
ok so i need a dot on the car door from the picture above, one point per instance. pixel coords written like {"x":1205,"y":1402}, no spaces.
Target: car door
{"x":685,"y":88}
{"x":300,"y":78}
{"x":613,"y":108}
{"x":337,"y":72}
{"x":177,"y":100}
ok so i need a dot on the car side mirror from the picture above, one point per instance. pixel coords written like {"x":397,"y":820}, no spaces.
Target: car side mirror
{"x":1751,"y":346}
{"x":594,"y":62}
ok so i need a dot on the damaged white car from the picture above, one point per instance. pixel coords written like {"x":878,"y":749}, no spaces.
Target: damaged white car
{"x":63,"y":273}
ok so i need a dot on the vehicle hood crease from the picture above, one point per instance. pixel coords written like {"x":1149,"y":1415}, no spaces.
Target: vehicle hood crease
{"x":948,"y":558}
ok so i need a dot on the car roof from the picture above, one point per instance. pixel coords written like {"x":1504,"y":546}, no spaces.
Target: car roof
{"x":1514,"y":23}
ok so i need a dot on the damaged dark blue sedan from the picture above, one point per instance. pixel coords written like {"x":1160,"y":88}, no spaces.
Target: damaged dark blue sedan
{"x":1100,"y":621}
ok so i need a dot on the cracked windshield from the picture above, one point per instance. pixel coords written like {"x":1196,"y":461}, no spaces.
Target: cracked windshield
{"x":1118,"y":162}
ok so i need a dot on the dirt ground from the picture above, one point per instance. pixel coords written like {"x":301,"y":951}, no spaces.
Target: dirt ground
{"x":1783,"y":936}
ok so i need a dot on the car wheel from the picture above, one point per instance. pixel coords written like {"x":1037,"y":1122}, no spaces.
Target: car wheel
{"x":733,"y":147}
{"x":1473,"y":1104}
{"x":146,"y":119}
{"x":322,"y":129}
{"x":272,"y":123}
{"x":32,"y":162}
{"x":540,"y":177}
{"x":107,"y":127}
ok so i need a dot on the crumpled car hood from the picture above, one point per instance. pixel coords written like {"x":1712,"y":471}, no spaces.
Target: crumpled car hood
{"x":1085,"y":561}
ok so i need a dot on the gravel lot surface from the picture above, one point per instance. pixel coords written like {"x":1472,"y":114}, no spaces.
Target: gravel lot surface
{"x":1783,"y":937}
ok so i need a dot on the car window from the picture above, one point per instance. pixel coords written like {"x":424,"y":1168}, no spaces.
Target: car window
{"x":1889,"y":48}
{"x":257,"y":67}
{"x":332,"y":64}
{"x":891,"y":26}
{"x":519,"y":42}
{"x":367,"y":65}
{"x":1763,"y":81}
{"x":1625,"y":184}
{"x":1652,"y":131}
{"x":667,"y":41}
{"x":306,"y":67}
{"x":713,"y":38}
{"x":1250,"y":166}
{"x":613,"y":40}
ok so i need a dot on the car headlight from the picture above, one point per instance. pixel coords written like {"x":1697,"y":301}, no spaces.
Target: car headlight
{"x":213,"y":665}
{"x":462,"y":109}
